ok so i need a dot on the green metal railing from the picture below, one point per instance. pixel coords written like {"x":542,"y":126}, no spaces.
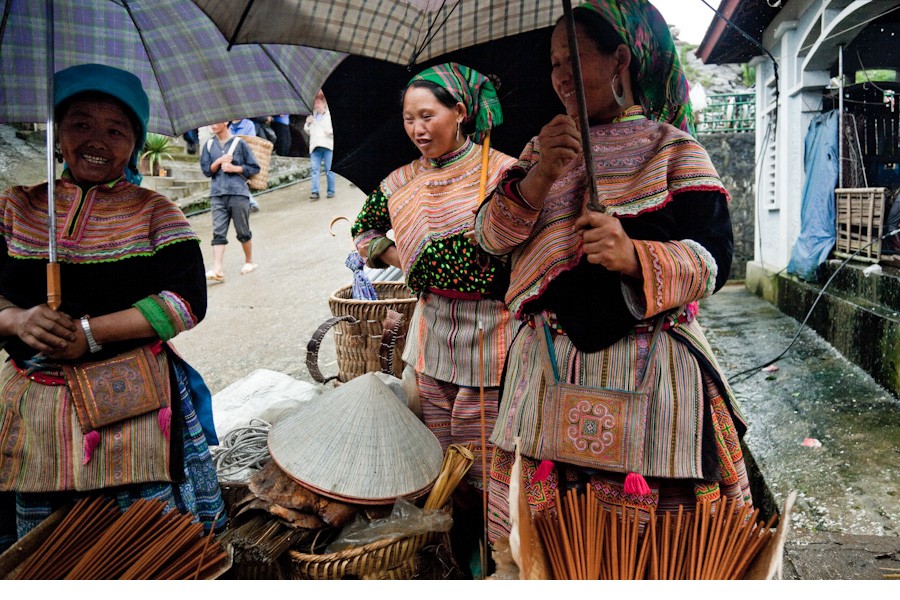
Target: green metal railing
{"x":728,"y":113}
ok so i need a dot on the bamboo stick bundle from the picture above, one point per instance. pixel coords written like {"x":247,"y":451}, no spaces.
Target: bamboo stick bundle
{"x":551,"y":541}
{"x":761,"y":537}
{"x":171,"y":542}
{"x":648,"y":548}
{"x":117,"y":538}
{"x":721,"y":513}
{"x":715,"y":541}
{"x":458,"y":459}
{"x":69,"y":539}
{"x":97,"y":541}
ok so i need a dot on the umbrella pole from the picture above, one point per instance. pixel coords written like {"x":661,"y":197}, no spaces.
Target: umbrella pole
{"x":583,"y":126}
{"x":54,"y":287}
{"x":485,"y":150}
{"x":484,"y":486}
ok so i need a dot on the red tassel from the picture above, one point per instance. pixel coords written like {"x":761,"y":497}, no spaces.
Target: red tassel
{"x":91,"y":441}
{"x":543,"y":471}
{"x":165,"y":421}
{"x":636,"y":485}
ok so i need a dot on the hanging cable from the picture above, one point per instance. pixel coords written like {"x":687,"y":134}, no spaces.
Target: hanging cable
{"x":759,"y":45}
{"x":753,"y":370}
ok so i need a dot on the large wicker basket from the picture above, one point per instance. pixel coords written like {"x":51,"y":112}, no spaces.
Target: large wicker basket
{"x":392,"y":559}
{"x":262,"y":150}
{"x":359,"y":330}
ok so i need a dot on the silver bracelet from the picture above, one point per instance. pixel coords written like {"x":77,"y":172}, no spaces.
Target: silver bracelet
{"x":92,"y":343}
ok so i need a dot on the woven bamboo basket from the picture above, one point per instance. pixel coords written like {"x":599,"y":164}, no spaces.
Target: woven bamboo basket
{"x":387,"y":559}
{"x":262,"y":150}
{"x":358,"y":338}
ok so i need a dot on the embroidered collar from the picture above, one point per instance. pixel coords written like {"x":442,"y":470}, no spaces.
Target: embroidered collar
{"x":452,"y":156}
{"x":67,"y":176}
{"x":632,"y":113}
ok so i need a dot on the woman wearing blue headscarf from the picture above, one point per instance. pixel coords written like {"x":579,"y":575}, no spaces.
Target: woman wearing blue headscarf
{"x":132,"y":278}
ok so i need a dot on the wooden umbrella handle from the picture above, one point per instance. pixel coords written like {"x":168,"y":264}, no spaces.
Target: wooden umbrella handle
{"x":54,"y":286}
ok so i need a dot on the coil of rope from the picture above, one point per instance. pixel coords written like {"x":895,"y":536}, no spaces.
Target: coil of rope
{"x":242,"y":449}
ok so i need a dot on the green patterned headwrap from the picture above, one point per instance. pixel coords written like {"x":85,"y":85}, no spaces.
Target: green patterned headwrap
{"x":470,"y":87}
{"x":664,"y":88}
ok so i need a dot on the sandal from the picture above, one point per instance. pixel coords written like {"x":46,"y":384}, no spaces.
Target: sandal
{"x":248,"y":267}
{"x":213,"y":276}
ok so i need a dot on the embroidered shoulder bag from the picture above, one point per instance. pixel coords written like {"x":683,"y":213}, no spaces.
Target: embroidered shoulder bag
{"x":594,"y":427}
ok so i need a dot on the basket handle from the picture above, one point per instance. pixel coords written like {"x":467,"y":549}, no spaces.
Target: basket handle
{"x":312,"y":348}
{"x":392,"y":324}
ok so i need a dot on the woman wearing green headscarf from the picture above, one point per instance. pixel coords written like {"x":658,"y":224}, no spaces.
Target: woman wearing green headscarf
{"x":448,"y":111}
{"x":591,"y":288}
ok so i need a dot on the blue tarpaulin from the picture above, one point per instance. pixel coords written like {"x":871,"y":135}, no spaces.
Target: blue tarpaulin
{"x":817,"y":213}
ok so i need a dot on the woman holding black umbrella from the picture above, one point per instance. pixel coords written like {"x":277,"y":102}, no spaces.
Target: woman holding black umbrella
{"x":593,"y":287}
{"x":448,"y":111}
{"x":93,"y":399}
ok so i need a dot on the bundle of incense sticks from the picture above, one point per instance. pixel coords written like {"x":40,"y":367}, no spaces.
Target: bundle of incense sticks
{"x":584,"y":540}
{"x":97,"y":541}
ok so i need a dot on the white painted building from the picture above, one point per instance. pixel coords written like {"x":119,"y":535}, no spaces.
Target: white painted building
{"x":806,"y":39}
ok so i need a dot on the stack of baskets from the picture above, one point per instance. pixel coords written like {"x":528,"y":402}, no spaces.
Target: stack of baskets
{"x":358,"y":337}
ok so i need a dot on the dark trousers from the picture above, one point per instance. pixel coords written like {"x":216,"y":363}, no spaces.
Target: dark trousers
{"x":283,"y":138}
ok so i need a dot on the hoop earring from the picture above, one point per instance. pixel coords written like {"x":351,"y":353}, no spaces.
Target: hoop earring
{"x":619,"y":97}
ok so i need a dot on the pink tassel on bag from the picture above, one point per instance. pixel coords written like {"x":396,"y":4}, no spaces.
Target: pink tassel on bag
{"x":91,"y":441}
{"x":636,"y":485}
{"x":165,"y":421}
{"x":543,"y":471}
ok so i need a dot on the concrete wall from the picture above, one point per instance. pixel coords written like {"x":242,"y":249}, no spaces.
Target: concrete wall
{"x":733,"y":156}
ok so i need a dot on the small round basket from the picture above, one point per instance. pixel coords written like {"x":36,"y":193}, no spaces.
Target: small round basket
{"x":358,"y":330}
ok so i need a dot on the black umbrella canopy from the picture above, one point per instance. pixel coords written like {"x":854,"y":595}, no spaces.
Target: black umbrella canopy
{"x":364,"y":98}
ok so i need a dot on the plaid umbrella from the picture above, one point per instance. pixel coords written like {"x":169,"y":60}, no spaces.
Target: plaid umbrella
{"x":182,"y":59}
{"x":406,"y":32}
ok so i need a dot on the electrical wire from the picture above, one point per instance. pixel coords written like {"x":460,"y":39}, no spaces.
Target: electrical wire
{"x":753,"y":370}
{"x":759,"y":45}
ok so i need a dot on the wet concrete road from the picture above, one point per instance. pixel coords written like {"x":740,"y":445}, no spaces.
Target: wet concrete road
{"x":847,"y":517}
{"x":266,"y":318}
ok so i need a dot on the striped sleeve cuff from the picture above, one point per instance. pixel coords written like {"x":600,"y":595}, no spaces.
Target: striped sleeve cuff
{"x":167,"y":313}
{"x":674,"y":273}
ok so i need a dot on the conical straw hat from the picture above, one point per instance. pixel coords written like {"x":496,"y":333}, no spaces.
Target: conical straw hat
{"x":357,"y":443}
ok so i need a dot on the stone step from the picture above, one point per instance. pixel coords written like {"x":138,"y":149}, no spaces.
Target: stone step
{"x":858,"y":315}
{"x":851,"y":281}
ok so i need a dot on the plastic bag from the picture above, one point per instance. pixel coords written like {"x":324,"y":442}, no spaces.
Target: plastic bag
{"x":406,"y":519}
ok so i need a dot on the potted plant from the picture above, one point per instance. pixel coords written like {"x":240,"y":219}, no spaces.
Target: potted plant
{"x":156,"y":148}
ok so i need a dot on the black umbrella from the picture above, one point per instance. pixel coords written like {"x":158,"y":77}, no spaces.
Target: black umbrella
{"x":364,"y":98}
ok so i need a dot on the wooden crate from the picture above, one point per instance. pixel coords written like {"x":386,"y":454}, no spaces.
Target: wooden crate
{"x":860,"y":223}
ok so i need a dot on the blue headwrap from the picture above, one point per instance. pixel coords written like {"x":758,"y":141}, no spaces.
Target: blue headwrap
{"x":119,"y":84}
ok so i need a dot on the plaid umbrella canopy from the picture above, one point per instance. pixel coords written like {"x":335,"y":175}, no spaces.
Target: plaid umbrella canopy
{"x":190,"y":76}
{"x":406,"y":32}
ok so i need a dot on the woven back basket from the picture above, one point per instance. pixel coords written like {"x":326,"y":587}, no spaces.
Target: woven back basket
{"x":262,"y":150}
{"x":359,"y":329}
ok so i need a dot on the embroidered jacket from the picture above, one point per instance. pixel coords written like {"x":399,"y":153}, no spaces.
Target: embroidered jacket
{"x":118,"y":245}
{"x":660,"y":182}
{"x":430,"y":205}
